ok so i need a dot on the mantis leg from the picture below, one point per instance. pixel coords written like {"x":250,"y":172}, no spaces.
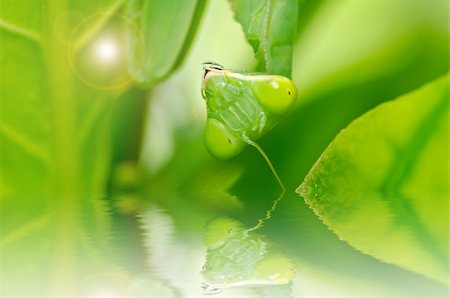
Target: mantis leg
{"x":250,"y":142}
{"x":283,"y":189}
{"x":269,"y":212}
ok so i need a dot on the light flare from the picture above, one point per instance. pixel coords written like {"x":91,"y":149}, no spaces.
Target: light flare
{"x":106,"y":50}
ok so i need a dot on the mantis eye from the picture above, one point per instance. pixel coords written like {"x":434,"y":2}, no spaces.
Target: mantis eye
{"x":276,"y":94}
{"x":220,"y":140}
{"x":208,"y":66}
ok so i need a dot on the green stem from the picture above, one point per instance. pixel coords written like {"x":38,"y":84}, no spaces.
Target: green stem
{"x":66,"y":186}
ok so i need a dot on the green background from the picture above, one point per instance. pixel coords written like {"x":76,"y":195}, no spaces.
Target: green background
{"x":106,"y":186}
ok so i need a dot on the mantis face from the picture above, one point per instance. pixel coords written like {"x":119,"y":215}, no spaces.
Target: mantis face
{"x":242,"y":107}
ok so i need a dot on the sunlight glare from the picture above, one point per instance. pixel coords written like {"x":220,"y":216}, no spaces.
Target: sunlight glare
{"x":104,"y":294}
{"x":106,"y":50}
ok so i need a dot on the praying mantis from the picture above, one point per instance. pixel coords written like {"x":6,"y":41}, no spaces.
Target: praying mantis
{"x":241,"y":108}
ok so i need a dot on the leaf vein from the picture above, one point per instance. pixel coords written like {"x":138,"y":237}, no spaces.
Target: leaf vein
{"x":25,"y":229}
{"x":403,"y":168}
{"x":33,"y":36}
{"x":265,"y":33}
{"x":25,"y":143}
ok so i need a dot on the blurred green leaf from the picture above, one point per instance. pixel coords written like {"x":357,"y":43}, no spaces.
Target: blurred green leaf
{"x":165,"y":32}
{"x":269,"y":26}
{"x":353,"y":42}
{"x":382,"y":184}
{"x":55,"y":150}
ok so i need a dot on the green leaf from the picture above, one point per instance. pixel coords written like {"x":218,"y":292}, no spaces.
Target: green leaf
{"x":269,"y":26}
{"x":165,"y":30}
{"x":352,"y":42}
{"x":55,"y":150}
{"x":382,"y":184}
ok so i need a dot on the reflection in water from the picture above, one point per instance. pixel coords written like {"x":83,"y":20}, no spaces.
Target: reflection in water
{"x":239,"y":257}
{"x":269,"y":212}
{"x":326,"y":266}
{"x":108,"y":284}
{"x":148,"y":285}
{"x":166,"y":257}
{"x":97,"y":262}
